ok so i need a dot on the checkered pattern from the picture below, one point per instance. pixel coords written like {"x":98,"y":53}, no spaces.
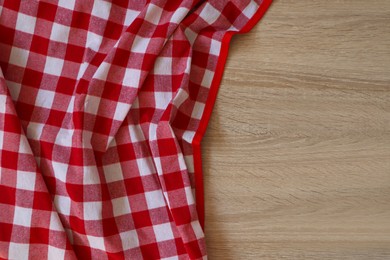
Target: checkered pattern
{"x":99,"y":105}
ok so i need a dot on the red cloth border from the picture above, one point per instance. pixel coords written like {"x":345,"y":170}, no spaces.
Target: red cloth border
{"x":196,"y":143}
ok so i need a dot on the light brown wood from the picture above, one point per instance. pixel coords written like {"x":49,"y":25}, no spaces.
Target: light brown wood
{"x":297,"y":154}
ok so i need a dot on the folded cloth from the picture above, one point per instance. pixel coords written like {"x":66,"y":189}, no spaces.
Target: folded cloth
{"x":102,"y":108}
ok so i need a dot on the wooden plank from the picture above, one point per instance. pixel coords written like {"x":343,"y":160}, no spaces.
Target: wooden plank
{"x":297,"y":154}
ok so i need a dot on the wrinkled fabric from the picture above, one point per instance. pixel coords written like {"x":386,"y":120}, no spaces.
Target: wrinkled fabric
{"x":100,"y":103}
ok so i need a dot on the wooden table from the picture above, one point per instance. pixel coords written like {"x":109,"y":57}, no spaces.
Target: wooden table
{"x":297,"y":154}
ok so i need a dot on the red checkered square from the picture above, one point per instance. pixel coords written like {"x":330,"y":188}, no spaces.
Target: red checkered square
{"x":150,"y":251}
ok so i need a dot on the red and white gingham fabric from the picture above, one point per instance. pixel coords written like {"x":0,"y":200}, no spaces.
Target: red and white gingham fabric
{"x":102,"y":108}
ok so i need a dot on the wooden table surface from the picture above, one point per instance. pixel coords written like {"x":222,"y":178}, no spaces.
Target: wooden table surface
{"x":297,"y":154}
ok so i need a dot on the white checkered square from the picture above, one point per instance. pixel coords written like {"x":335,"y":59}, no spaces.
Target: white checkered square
{"x":179,"y":14}
{"x":24,"y":147}
{"x":129,"y":239}
{"x":121,"y":111}
{"x":121,"y":206}
{"x":53,"y":66}
{"x":215,"y":47}
{"x":136,"y":133}
{"x":130,"y":16}
{"x":182,"y":163}
{"x":189,"y":195}
{"x":22,"y":216}
{"x":102,"y":71}
{"x":45,"y":98}
{"x":71,"y":105}
{"x":34,"y":130}
{"x":82,"y":69}
{"x":25,"y":180}
{"x":3,"y":99}
{"x":250,"y":9}
{"x":91,"y":175}
{"x":175,"y":258}
{"x":153,"y":133}
{"x":96,"y":242}
{"x":157,"y":163}
{"x":62,"y":204}
{"x":18,"y":251}
{"x":197,"y":112}
{"x":145,"y":166}
{"x":101,"y":9}
{"x":153,"y":14}
{"x":94,"y":41}
{"x":92,"y":210}
{"x":91,"y":104}
{"x":14,"y":89}
{"x":68,"y":4}
{"x":188,"y":136}
{"x":25,"y":23}
{"x":162,"y":99}
{"x":207,"y":78}
{"x":64,"y":137}
{"x":59,"y":33}
{"x":163,"y":66}
{"x":163,"y":232}
{"x":210,"y":14}
{"x":18,"y":57}
{"x":180,"y":97}
{"x":55,"y":253}
{"x":113,"y":172}
{"x":155,"y":199}
{"x":197,"y":229}
{"x":166,"y":196}
{"x":140,"y":44}
{"x":60,"y":170}
{"x":55,"y":223}
{"x":132,"y":78}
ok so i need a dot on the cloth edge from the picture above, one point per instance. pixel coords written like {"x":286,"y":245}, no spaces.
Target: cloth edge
{"x":216,"y":82}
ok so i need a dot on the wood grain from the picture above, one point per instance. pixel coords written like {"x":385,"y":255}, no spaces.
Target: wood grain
{"x":297,"y":154}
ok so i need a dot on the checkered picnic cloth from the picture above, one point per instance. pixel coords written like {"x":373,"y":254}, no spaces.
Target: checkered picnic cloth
{"x":102,"y":108}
